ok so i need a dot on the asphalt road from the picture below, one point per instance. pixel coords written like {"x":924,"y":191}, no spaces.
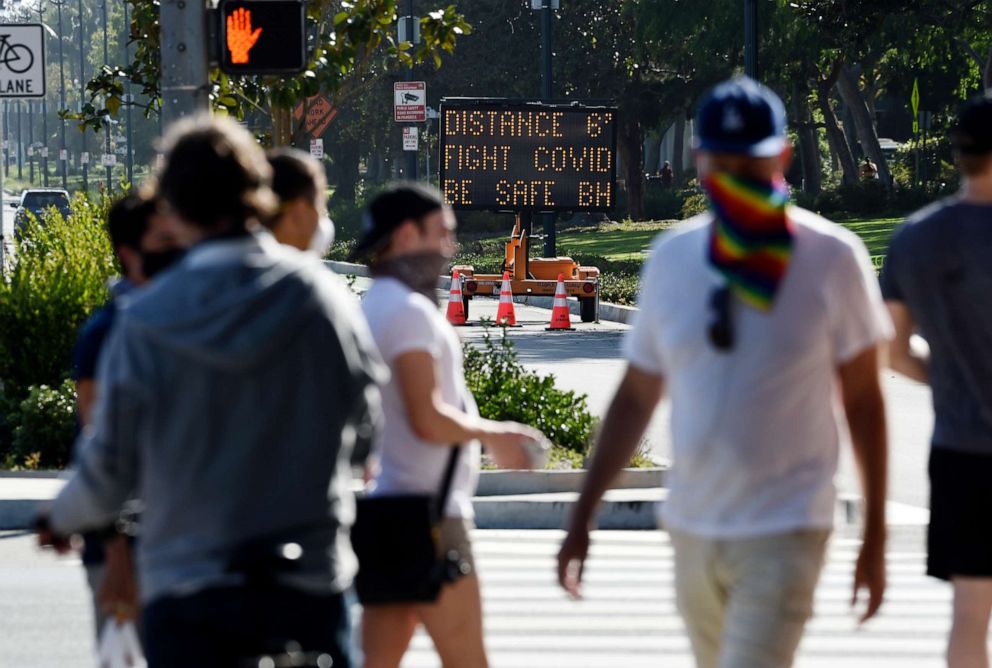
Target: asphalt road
{"x":589,"y":360}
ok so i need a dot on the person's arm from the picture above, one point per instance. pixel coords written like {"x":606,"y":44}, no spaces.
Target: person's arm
{"x":903,"y":356}
{"x":625,"y":423}
{"x":864,"y":408}
{"x":106,"y":461}
{"x":434,"y":420}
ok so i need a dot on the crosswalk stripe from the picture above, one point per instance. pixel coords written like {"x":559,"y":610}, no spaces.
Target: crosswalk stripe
{"x":627,"y":618}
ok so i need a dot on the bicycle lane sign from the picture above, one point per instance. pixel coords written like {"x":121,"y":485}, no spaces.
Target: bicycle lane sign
{"x":22,"y":60}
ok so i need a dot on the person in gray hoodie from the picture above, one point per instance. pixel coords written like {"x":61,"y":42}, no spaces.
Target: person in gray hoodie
{"x":236,"y":392}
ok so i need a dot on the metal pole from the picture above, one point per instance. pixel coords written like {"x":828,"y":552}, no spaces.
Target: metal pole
{"x":44,"y":118}
{"x":411,"y":156}
{"x":62,"y":97}
{"x":31,"y":140}
{"x":20,"y":143}
{"x":130,"y":97}
{"x":106,"y":61}
{"x":547,"y":94}
{"x":82,"y":88}
{"x":184,"y":59}
{"x":751,"y":38}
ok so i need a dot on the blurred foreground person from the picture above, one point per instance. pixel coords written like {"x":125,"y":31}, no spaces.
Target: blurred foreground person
{"x":232,"y":393}
{"x":754,"y":316}
{"x":301,"y":220}
{"x":937,"y":280}
{"x":144,"y":246}
{"x":429,"y":447}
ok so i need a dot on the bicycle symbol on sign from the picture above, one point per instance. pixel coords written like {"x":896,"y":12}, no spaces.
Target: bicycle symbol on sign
{"x":17,"y":57}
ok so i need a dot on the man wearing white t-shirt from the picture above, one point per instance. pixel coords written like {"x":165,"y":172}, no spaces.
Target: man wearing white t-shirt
{"x":427,"y":409}
{"x":755,"y":317}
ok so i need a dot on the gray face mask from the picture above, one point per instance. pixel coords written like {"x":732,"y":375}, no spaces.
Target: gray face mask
{"x":418,"y":271}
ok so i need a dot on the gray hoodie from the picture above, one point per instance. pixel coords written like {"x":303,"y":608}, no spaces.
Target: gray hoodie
{"x":234,"y":391}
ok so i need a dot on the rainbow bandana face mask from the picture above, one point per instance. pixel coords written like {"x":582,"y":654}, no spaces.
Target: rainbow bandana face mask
{"x":751,"y":242}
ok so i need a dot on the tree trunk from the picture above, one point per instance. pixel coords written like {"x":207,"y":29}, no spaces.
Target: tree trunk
{"x":678,"y":149}
{"x":632,"y":154}
{"x":809,"y":149}
{"x":282,"y":126}
{"x":847,"y":85}
{"x":652,"y":151}
{"x":835,"y":135}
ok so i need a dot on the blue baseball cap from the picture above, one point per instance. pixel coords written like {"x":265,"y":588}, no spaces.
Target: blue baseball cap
{"x":742,"y":117}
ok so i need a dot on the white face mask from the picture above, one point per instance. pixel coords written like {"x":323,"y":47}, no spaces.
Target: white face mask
{"x":322,"y":237}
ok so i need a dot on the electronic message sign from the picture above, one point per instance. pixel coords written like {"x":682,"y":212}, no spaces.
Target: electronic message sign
{"x":527,"y":156}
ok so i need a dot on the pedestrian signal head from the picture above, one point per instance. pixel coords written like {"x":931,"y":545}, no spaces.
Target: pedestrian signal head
{"x":263,"y":36}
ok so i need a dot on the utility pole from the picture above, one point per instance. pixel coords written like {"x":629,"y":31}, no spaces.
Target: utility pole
{"x":106,"y":61}
{"x":411,"y":156}
{"x":547,"y":94}
{"x":751,"y":38}
{"x":85,"y":166}
{"x":63,"y":154}
{"x":184,"y":59}
{"x":129,"y":97}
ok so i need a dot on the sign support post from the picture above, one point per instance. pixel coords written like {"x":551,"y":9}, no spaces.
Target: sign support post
{"x":550,"y":233}
{"x":184,"y":59}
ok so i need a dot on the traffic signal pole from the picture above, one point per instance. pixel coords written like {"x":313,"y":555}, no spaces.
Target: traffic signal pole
{"x":751,"y":38}
{"x":550,"y":235}
{"x":411,"y":156}
{"x":184,"y":59}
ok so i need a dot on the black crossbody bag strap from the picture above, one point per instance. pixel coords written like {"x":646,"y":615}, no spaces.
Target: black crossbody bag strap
{"x":446,"y":480}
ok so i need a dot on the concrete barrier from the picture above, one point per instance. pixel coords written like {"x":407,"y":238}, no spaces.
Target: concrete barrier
{"x":508,"y":483}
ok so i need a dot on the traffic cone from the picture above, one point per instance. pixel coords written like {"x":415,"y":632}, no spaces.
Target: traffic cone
{"x":456,"y":307}
{"x":505,"y":314}
{"x":561,"y":321}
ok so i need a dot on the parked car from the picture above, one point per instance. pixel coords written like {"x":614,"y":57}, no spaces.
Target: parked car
{"x":36,"y":201}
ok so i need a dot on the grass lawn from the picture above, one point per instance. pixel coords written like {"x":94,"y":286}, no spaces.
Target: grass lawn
{"x":630,"y":241}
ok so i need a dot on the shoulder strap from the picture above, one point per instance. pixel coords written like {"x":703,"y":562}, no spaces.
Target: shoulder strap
{"x":449,"y":475}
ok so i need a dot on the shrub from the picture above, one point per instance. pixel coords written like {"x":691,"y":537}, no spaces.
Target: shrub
{"x":43,"y":427}
{"x":662,"y":203}
{"x":58,"y":277}
{"x":694,"y":205}
{"x":507,"y":391}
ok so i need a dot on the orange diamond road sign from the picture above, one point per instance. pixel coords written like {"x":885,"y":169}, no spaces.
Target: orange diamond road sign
{"x":320,"y":113}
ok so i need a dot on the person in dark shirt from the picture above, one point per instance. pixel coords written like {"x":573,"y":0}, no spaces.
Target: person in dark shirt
{"x":144,"y":246}
{"x":667,"y":175}
{"x":937,"y":282}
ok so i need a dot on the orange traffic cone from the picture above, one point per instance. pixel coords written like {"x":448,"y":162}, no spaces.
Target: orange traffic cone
{"x":560,"y":319}
{"x":456,"y":307}
{"x":505,"y":314}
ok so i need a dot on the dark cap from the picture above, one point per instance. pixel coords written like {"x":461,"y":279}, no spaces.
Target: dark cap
{"x":972,"y":134}
{"x":389,"y":209}
{"x":742,"y":117}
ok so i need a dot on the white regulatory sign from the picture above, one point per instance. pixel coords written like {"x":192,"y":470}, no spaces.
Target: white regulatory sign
{"x":84,"y":158}
{"x":22,"y":60}
{"x":410,"y":138}
{"x":409,"y":101}
{"x":317,"y":148}
{"x":109,"y":159}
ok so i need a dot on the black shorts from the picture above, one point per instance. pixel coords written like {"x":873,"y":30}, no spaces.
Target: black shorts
{"x":959,"y":539}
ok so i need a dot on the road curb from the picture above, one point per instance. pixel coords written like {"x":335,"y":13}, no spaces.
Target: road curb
{"x":510,"y":483}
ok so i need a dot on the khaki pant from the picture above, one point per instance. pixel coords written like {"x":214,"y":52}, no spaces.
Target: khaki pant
{"x":745,"y":601}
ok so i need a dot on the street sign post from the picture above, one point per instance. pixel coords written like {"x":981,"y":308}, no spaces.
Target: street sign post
{"x":410,"y":101}
{"x":914,"y":101}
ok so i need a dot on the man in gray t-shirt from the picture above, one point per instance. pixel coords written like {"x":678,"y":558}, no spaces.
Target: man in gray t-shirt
{"x":937,"y":282}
